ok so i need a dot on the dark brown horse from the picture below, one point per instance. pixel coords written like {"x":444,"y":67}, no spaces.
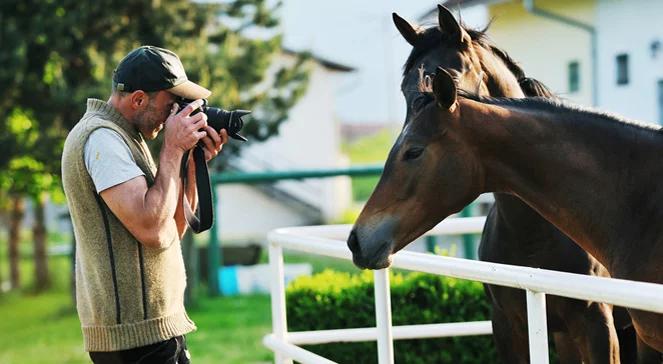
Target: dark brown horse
{"x":594,"y":176}
{"x":514,"y":233}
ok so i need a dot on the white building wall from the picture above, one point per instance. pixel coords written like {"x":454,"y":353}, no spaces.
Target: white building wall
{"x":309,"y":139}
{"x":245,"y":215}
{"x":545,"y":47}
{"x":630,"y":27}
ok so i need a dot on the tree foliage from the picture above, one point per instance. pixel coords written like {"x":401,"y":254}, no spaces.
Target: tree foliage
{"x":55,"y":54}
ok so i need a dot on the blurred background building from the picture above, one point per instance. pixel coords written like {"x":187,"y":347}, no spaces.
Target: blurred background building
{"x":605,"y":53}
{"x":309,"y":139}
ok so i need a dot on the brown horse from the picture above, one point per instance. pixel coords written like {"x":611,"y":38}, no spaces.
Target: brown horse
{"x":591,"y":174}
{"x":514,"y":233}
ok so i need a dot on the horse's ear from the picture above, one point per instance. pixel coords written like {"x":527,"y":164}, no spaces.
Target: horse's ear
{"x":406,"y":29}
{"x":444,"y":88}
{"x":450,"y":26}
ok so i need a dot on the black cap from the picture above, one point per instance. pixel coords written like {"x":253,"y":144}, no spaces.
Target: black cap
{"x":149,"y":69}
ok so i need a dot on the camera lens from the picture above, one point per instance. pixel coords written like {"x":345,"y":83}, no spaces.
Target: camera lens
{"x":219,"y":118}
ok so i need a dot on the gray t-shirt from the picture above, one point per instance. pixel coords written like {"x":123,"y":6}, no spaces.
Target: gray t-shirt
{"x":109,"y":160}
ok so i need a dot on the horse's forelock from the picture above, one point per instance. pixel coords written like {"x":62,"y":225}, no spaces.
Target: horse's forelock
{"x":425,"y":83}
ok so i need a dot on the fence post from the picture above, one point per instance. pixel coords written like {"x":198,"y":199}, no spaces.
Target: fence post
{"x":277,"y":286}
{"x":469,"y":246}
{"x":537,"y":327}
{"x":431,"y":243}
{"x":213,"y":252}
{"x":383,"y":316}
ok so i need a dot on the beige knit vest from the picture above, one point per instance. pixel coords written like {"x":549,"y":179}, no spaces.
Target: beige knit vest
{"x":127,"y":295}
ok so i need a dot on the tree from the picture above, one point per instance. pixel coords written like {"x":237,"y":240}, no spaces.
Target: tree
{"x":55,"y":54}
{"x":18,"y":210}
{"x":26,"y":176}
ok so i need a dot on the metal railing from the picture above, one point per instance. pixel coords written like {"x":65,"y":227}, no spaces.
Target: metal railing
{"x":214,"y":255}
{"x":330,"y":241}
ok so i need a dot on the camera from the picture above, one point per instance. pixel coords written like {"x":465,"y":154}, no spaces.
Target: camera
{"x":218,"y":118}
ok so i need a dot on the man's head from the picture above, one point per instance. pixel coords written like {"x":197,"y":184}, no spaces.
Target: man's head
{"x":146,"y":83}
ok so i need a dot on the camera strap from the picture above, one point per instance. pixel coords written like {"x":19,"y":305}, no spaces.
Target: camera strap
{"x":202,"y":218}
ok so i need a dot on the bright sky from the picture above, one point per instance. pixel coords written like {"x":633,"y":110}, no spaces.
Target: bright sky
{"x":360,"y":34}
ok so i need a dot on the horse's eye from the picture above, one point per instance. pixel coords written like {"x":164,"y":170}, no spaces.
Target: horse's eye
{"x":412,"y":153}
{"x":421,"y":101}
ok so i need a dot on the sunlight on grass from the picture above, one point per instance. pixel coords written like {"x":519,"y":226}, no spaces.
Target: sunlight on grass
{"x":44,"y":328}
{"x":40,"y":329}
{"x":230,"y":330}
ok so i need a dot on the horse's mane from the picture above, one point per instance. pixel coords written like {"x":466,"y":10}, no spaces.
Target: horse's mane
{"x":559,"y":107}
{"x":534,"y":88}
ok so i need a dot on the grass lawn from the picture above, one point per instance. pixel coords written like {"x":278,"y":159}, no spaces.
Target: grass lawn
{"x":230,"y":330}
{"x":40,"y":329}
{"x":44,"y":328}
{"x":369,"y":150}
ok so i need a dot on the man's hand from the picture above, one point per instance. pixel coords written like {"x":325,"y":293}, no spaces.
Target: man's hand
{"x":214,"y":142}
{"x":183,"y":131}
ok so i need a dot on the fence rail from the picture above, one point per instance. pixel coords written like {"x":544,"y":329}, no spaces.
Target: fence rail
{"x":330,"y":241}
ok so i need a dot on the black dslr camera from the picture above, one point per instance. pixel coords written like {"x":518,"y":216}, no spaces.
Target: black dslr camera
{"x":218,"y":118}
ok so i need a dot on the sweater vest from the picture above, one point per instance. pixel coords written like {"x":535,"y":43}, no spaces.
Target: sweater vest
{"x":127,"y":295}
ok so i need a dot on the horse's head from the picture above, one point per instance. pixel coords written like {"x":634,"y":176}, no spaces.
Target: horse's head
{"x":478,"y":65}
{"x":430,"y":173}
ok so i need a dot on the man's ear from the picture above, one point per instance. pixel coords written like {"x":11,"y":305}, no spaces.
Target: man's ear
{"x":138,"y":99}
{"x":450,"y":26}
{"x":444,"y":89}
{"x":407,"y":30}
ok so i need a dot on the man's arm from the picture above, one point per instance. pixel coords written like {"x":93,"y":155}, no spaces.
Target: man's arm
{"x":148,"y":213}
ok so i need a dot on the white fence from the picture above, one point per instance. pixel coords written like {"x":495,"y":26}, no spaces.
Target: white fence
{"x":330,"y":241}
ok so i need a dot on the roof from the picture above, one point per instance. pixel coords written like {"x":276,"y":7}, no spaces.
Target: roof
{"x":331,"y":65}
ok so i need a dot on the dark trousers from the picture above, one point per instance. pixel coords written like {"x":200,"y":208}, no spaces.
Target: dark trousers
{"x":171,"y":351}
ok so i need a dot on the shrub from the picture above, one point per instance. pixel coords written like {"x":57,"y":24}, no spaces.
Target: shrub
{"x":335,"y":300}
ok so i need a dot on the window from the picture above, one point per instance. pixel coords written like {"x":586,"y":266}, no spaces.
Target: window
{"x":574,"y":76}
{"x":622,"y":69}
{"x":660,"y":102}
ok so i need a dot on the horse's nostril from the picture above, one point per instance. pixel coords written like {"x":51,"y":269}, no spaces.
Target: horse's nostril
{"x":353,"y":242}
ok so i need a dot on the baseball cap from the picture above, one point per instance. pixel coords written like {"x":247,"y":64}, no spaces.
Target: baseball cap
{"x":149,"y":69}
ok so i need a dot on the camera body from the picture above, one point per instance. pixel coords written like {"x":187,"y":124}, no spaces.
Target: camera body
{"x":218,"y":118}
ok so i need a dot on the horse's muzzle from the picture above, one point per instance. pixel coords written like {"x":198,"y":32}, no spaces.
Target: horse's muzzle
{"x":368,"y":257}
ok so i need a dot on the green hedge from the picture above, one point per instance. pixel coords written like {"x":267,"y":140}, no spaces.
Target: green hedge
{"x":335,"y":300}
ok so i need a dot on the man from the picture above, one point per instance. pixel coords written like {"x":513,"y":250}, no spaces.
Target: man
{"x":127,"y":213}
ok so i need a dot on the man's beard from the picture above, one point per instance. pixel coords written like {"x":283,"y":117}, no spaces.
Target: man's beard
{"x":148,"y":121}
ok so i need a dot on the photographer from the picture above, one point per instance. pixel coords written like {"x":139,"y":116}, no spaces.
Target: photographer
{"x":128,"y":214}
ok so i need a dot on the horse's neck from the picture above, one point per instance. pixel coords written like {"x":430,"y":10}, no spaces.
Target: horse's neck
{"x":570,"y":171}
{"x":516,"y":215}
{"x":519,"y":217}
